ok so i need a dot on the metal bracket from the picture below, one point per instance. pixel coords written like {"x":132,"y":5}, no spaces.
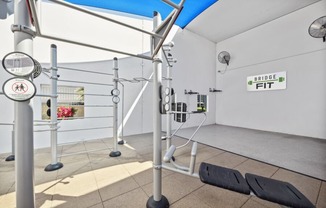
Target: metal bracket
{"x":214,"y":90}
{"x":190,"y":92}
{"x":24,"y":29}
{"x":157,"y":167}
{"x":157,"y":60}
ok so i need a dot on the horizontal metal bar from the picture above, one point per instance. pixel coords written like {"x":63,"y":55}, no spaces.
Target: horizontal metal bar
{"x":180,"y":112}
{"x":171,"y":4}
{"x":180,"y":171}
{"x":46,"y":124}
{"x":93,"y":83}
{"x":44,"y":95}
{"x":104,"y":127}
{"x":100,"y":106}
{"x":39,"y":95}
{"x":6,"y":124}
{"x":68,"y":93}
{"x":48,"y":121}
{"x":82,"y":152}
{"x":75,"y":118}
{"x":44,"y":130}
{"x":83,"y":70}
{"x":78,"y":142}
{"x":96,"y":47}
{"x":66,"y":4}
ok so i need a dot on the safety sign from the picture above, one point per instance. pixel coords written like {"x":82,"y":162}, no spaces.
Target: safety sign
{"x":19,"y":89}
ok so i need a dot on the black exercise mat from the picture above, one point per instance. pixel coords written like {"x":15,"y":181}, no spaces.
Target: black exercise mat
{"x":223,"y":177}
{"x":277,"y":191}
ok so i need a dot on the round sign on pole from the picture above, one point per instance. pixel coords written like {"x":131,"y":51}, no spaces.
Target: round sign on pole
{"x":19,"y":89}
{"x":18,"y":64}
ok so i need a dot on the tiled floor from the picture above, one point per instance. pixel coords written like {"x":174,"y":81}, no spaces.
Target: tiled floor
{"x":95,"y":180}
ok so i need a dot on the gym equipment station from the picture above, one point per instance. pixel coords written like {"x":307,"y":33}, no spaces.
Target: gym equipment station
{"x":162,"y":103}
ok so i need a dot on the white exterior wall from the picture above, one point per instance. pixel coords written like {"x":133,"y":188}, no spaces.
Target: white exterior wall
{"x":128,"y":68}
{"x":195,"y":70}
{"x":281,"y":45}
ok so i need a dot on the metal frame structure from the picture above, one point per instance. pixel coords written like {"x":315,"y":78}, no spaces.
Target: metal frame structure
{"x":25,"y":195}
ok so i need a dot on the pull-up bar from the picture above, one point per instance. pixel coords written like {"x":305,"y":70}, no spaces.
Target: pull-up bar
{"x":166,"y":25}
{"x":72,"y":6}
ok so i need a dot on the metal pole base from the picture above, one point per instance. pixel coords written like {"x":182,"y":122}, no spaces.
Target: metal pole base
{"x":115,"y":154}
{"x":163,"y":203}
{"x":52,"y":167}
{"x":121,"y":142}
{"x":10,"y":158}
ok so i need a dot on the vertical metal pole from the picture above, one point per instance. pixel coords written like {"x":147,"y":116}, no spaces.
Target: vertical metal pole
{"x":168,"y":114}
{"x":121,"y":141}
{"x":12,"y":156}
{"x":115,"y":99}
{"x":157,"y":200}
{"x":24,"y":147}
{"x":55,"y":165}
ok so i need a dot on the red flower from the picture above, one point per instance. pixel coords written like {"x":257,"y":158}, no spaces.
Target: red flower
{"x":64,"y":112}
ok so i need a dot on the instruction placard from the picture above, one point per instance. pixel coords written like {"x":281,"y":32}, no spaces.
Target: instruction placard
{"x":19,"y":89}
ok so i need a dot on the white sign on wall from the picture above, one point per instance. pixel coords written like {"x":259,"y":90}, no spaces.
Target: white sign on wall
{"x":273,"y":81}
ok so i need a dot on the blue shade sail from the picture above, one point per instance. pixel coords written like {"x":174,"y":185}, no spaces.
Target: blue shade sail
{"x":192,"y":8}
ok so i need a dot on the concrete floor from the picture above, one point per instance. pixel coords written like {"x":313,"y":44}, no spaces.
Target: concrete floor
{"x":95,"y":180}
{"x":297,"y":153}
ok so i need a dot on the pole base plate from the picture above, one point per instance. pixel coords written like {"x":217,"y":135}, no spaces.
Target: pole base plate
{"x":163,"y":203}
{"x":115,"y":154}
{"x":52,"y":167}
{"x":10,"y":158}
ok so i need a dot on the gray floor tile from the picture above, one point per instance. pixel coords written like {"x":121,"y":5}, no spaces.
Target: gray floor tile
{"x":257,"y":168}
{"x":322,"y":196}
{"x":117,"y":188}
{"x":190,"y":201}
{"x":133,"y":199}
{"x":96,"y":180}
{"x":176,"y":186}
{"x":255,"y":202}
{"x":306,"y":185}
{"x":217,"y":197}
{"x":227,"y":160}
{"x":301,"y":154}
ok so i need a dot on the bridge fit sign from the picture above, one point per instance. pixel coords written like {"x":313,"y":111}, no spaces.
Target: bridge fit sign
{"x":273,"y":81}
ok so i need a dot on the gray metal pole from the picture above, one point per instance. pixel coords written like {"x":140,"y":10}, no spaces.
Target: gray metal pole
{"x":24,"y":158}
{"x":115,"y":99}
{"x":12,"y":156}
{"x":157,"y":200}
{"x":55,"y":165}
{"x":168,"y":114}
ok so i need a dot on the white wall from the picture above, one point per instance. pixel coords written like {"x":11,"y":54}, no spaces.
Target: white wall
{"x":195,"y":70}
{"x":281,"y":45}
{"x":86,"y":29}
{"x":128,"y":68}
{"x":56,"y":20}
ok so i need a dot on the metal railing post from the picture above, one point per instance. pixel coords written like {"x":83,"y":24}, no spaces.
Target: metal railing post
{"x":55,"y":165}
{"x":24,"y":135}
{"x":157,"y":200}
{"x":115,"y":99}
